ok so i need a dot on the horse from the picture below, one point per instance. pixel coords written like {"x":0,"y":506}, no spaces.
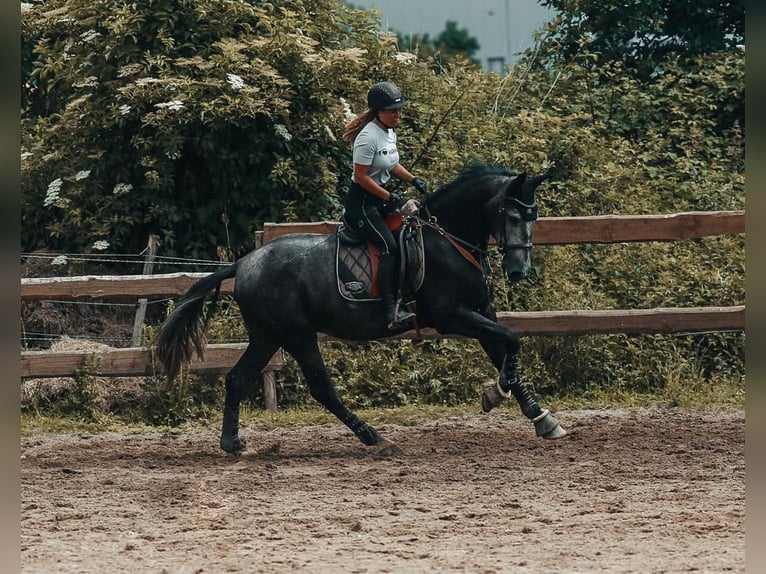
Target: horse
{"x":287,"y":292}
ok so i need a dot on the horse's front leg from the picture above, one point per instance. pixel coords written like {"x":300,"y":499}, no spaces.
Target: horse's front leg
{"x":508,"y":383}
{"x":502,"y":347}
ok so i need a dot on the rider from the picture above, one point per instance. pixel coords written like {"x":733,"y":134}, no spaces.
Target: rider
{"x":376,"y":160}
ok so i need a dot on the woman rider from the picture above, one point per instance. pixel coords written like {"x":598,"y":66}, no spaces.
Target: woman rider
{"x":376,"y":160}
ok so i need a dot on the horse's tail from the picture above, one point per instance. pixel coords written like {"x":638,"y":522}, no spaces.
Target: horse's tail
{"x":184,"y":330}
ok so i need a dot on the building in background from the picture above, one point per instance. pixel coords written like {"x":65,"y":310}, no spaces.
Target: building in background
{"x":503,"y":28}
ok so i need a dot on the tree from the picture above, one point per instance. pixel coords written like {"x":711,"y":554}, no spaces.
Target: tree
{"x":644,"y":34}
{"x":200,"y":119}
{"x":194,"y":120}
{"x":636,"y":68}
{"x":451,"y":44}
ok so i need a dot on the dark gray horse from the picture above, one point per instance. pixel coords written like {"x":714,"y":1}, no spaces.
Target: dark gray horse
{"x":287,"y":291}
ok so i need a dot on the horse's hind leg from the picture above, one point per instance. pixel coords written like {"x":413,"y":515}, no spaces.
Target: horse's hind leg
{"x":245,"y":372}
{"x":312,"y":365}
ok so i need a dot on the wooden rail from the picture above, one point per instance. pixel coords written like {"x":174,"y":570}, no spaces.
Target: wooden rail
{"x":219,"y":358}
{"x":102,"y":287}
{"x":593,"y":229}
{"x":548,"y":231}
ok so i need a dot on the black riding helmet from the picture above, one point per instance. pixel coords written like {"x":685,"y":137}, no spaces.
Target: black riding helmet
{"x":385,"y":96}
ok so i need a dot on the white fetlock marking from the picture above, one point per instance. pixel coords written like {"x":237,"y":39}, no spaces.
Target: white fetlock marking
{"x":541,"y":416}
{"x":501,"y":391}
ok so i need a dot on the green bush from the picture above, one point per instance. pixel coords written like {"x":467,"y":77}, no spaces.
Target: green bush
{"x":108,"y":156}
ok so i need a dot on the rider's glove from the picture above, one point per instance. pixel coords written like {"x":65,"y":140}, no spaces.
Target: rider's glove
{"x":397,"y":200}
{"x":420,"y":185}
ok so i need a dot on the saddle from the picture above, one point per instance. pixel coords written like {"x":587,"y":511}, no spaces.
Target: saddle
{"x":356,"y":263}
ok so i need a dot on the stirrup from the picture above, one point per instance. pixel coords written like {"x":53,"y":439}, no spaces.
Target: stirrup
{"x":401,"y":316}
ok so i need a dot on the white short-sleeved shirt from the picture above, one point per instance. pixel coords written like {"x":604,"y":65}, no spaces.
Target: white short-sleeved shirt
{"x":376,"y":147}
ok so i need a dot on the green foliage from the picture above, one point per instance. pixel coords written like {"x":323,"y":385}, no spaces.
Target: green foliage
{"x":196,"y":121}
{"x":188,"y":398}
{"x":80,"y":398}
{"x":619,"y":139}
{"x":643,"y":34}
{"x":85,"y":399}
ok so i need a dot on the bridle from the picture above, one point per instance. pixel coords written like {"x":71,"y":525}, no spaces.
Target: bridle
{"x":527,"y":212}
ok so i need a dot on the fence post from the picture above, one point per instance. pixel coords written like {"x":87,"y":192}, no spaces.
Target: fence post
{"x":138,"y":323}
{"x":269,"y":383}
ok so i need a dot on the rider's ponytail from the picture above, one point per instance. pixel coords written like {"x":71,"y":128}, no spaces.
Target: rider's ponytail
{"x":355,"y":125}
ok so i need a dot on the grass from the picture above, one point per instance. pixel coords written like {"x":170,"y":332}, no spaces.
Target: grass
{"x":688,"y":394}
{"x":33,"y":423}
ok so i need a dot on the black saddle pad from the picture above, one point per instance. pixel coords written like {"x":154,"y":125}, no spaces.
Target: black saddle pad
{"x":356,"y":266}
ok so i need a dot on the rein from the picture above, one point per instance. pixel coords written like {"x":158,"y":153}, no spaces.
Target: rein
{"x":456,"y":243}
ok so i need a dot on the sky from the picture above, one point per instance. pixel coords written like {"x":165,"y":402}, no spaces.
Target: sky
{"x":503,"y":28}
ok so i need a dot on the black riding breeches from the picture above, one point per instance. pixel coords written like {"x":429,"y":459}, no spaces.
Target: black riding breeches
{"x":362,"y":213}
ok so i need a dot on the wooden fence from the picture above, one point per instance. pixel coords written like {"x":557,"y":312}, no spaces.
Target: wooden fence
{"x":140,"y":361}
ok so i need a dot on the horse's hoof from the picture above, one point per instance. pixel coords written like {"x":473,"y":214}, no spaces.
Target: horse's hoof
{"x":491,"y":397}
{"x":557,"y":432}
{"x":547,"y":426}
{"x":233,"y":446}
{"x":385,"y":447}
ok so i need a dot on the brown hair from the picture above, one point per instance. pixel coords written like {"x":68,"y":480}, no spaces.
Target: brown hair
{"x":355,"y":125}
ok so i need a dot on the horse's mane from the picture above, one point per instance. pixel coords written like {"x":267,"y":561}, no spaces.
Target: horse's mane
{"x":468,"y":178}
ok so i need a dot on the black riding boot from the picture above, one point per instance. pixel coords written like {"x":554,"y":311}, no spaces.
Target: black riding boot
{"x":395,"y":315}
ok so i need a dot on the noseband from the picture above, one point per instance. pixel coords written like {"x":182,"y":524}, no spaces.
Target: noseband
{"x":527,"y":212}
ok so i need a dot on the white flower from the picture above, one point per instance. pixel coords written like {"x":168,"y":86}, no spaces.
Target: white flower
{"x":173,"y":154}
{"x":51,"y":198}
{"x":146,"y":81}
{"x":281,"y":130}
{"x":52,"y":195}
{"x":172,"y":105}
{"x":60,"y":260}
{"x":82,"y":174}
{"x":89,"y":82}
{"x":121,"y":188}
{"x":347,"y":109}
{"x":124,"y":109}
{"x":405,"y":57}
{"x":235,"y":81}
{"x":101,"y":245}
{"x":89,"y":35}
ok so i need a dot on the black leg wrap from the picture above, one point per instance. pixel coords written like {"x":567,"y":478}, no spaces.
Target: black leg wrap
{"x":528,"y":405}
{"x":510,"y":382}
{"x":230,"y":441}
{"x":364,"y":432}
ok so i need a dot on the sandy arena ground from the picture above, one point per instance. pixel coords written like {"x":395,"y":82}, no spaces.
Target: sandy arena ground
{"x":644,"y":491}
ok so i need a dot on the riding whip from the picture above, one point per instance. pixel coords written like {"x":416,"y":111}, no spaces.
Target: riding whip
{"x":436,"y":129}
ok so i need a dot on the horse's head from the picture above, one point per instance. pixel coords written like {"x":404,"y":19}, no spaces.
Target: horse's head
{"x":506,"y":202}
{"x":516,"y":215}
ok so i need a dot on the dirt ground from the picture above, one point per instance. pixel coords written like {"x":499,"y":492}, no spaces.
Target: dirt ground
{"x":627,"y":491}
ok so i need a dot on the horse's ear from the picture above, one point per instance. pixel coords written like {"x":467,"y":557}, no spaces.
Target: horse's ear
{"x":516,"y":185}
{"x":538,"y":179}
